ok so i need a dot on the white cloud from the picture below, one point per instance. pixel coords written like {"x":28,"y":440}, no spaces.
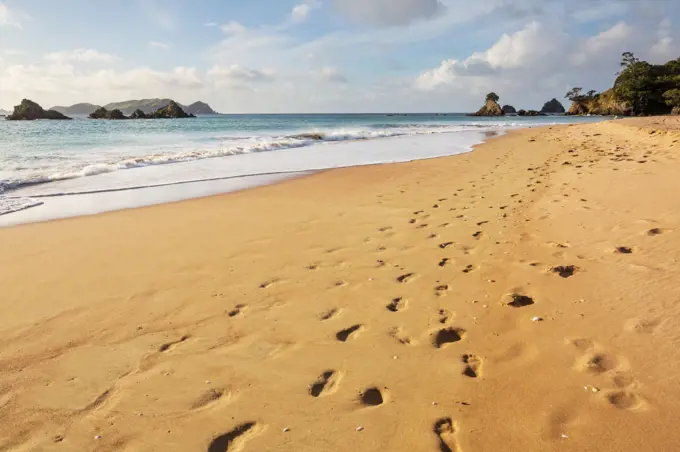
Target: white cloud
{"x":609,"y":42}
{"x":450,"y":70}
{"x":233,"y":28}
{"x":236,"y":74}
{"x":524,"y":48}
{"x":159,"y":45}
{"x":302,"y":11}
{"x":533,"y":43}
{"x":10,"y":17}
{"x":389,"y":12}
{"x":665,"y":47}
{"x":330,"y":74}
{"x":210,"y":24}
{"x":81,"y":56}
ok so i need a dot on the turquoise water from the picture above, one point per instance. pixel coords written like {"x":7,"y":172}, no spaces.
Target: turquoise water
{"x":85,"y":156}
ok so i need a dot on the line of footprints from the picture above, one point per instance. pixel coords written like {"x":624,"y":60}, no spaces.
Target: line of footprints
{"x":593,"y":360}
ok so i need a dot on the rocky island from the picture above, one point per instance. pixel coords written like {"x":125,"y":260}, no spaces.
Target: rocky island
{"x":170,"y":111}
{"x":491,"y":108}
{"x":28,"y":110}
{"x":553,"y":106}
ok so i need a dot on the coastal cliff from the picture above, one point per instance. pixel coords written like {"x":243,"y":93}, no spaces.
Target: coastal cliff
{"x":605,"y":103}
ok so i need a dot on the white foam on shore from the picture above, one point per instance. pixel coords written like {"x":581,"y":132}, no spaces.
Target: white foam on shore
{"x":11,"y":205}
{"x":167,"y":183}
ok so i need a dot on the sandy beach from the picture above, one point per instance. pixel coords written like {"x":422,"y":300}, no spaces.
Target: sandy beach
{"x":521,"y":297}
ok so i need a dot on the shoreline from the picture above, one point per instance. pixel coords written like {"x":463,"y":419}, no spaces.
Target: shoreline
{"x":406,"y":306}
{"x":201,"y":187}
{"x":391,"y":143}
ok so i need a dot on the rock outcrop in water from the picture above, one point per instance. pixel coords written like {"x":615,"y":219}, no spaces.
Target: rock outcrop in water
{"x":509,"y":110}
{"x":29,"y":110}
{"x":530,"y":113}
{"x":139,"y":114}
{"x":553,"y":106}
{"x":117,"y":114}
{"x":491,"y":108}
{"x":171,"y":111}
{"x":103,"y":113}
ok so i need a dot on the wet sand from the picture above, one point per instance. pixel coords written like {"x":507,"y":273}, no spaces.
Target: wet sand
{"x":522,"y":297}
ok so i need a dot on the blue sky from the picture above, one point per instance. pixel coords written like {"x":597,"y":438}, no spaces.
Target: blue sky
{"x":324,"y":55}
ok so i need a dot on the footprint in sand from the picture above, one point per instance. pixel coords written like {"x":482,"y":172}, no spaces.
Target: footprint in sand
{"x":208,"y":397}
{"x":441,"y":290}
{"x":268,"y":284}
{"x":444,"y":316}
{"x":238,"y":310}
{"x":655,"y":231}
{"x":624,"y":400}
{"x":641,"y":326}
{"x":235,"y":439}
{"x":372,"y":397}
{"x":445,"y":430}
{"x":398,"y":334}
{"x":597,"y":363}
{"x":445,"y":245}
{"x":397,"y":304}
{"x":327,"y":383}
{"x":624,"y":250}
{"x":468,"y":268}
{"x":170,"y":345}
{"x":565,"y":271}
{"x":473,"y":366}
{"x":443,"y":262}
{"x":519,"y":301}
{"x":407,"y":277}
{"x":349,"y":333}
{"x":329,"y":314}
{"x":447,"y":336}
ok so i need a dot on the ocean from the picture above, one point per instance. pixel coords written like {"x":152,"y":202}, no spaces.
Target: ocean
{"x":56,"y":169}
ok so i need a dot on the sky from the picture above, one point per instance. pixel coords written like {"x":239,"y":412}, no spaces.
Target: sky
{"x":318,"y":56}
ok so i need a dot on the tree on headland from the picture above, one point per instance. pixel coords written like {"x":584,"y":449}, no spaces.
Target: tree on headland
{"x":628,"y":59}
{"x":492,"y":96}
{"x":574,"y":94}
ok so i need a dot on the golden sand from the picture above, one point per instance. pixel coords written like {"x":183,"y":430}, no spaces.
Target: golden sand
{"x":522,"y":297}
